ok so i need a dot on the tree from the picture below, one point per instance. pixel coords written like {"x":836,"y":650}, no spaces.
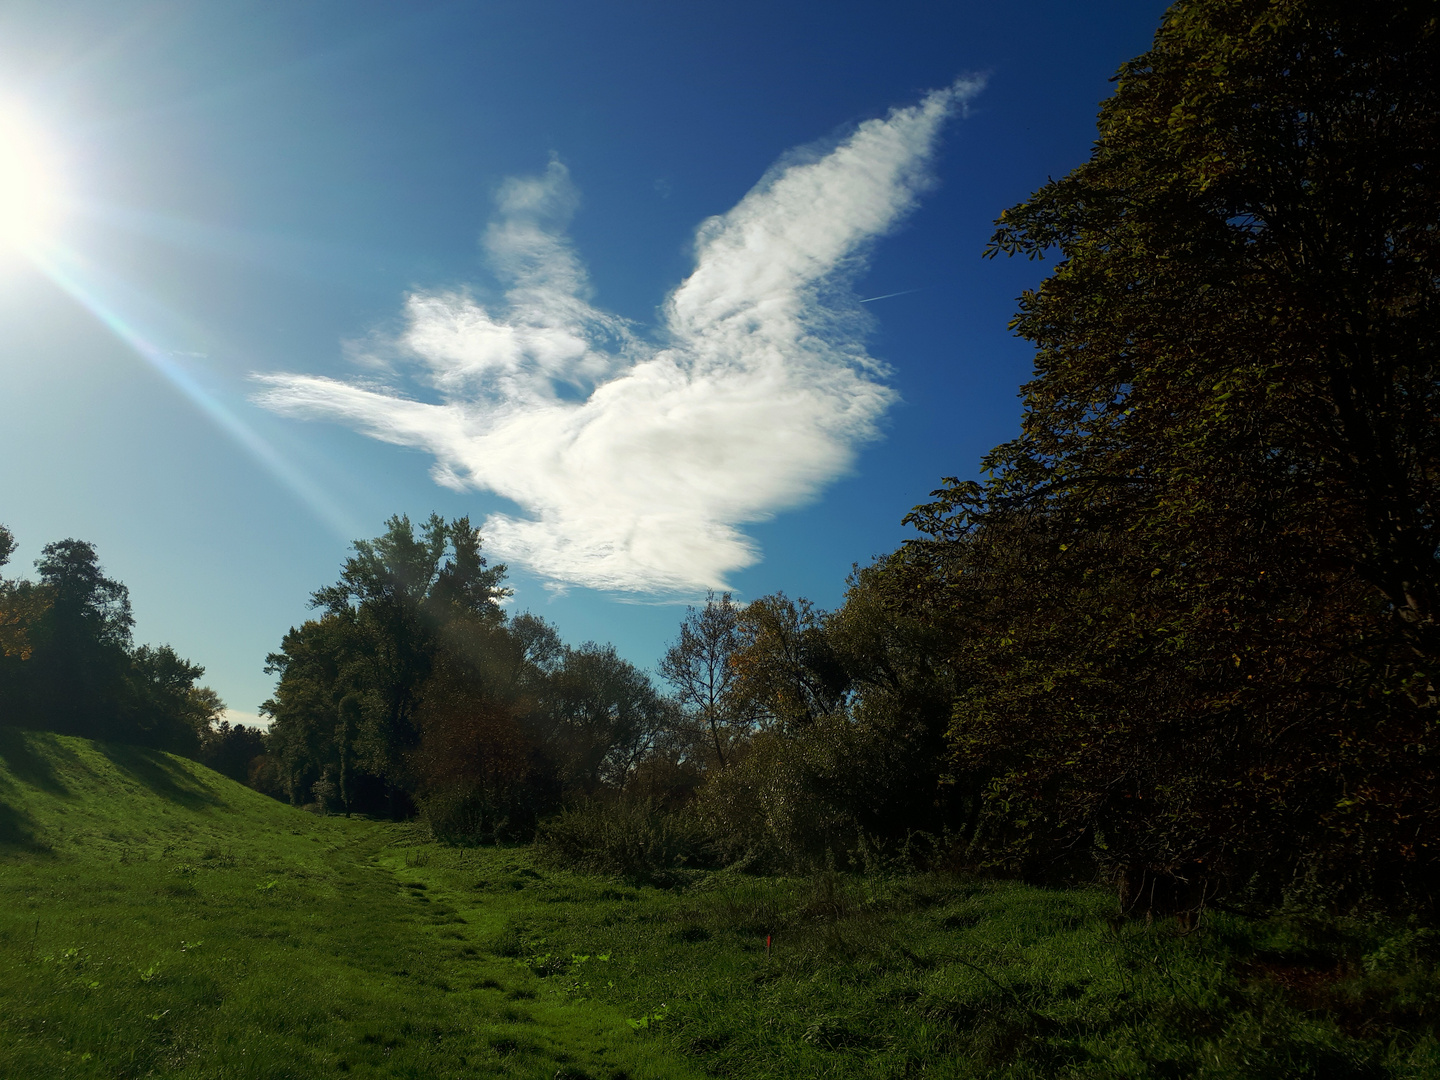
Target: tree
{"x":80,"y":643}
{"x":350,"y":681}
{"x":347,"y":730}
{"x":231,"y":750}
{"x":537,"y":647}
{"x":19,"y":609}
{"x":481,"y":774}
{"x":785,"y":668}
{"x":22,"y":605}
{"x":318,"y":666}
{"x":1201,"y":585}
{"x":601,"y":717}
{"x":699,"y":667}
{"x":854,"y":754}
{"x":85,"y":603}
{"x":66,"y":661}
{"x":168,"y":710}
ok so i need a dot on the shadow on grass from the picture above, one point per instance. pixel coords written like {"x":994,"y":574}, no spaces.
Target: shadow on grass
{"x":17,"y":831}
{"x":25,"y":764}
{"x":161,"y":774}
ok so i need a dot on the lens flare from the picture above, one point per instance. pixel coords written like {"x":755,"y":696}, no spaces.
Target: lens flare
{"x":99,"y":293}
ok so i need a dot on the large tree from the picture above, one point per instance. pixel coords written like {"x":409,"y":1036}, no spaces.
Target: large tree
{"x":375,"y":644}
{"x":80,"y":642}
{"x":601,"y":717}
{"x":786,"y":670}
{"x":168,"y":708}
{"x":1200,"y":588}
{"x":413,"y":686}
{"x":699,"y":665}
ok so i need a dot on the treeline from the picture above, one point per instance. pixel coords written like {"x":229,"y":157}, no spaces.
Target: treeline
{"x":413,"y":689}
{"x":68,"y":664}
{"x":789,"y":735}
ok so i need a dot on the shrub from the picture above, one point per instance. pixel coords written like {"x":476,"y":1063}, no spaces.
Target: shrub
{"x":472,"y":814}
{"x":631,"y":838}
{"x":820,"y":797}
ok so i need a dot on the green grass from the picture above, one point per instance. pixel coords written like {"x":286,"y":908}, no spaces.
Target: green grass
{"x":159,"y":920}
{"x":940,"y":976}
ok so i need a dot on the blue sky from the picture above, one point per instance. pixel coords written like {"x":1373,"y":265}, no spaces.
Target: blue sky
{"x":597,"y":275}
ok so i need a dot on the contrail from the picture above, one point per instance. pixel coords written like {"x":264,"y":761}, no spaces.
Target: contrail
{"x":888,"y":295}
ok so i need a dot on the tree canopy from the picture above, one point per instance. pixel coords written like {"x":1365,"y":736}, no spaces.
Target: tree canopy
{"x":67,"y":662}
{"x":414,"y":688}
{"x":1196,"y":597}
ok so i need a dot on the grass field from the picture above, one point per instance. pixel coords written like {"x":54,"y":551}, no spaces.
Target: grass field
{"x":159,"y":920}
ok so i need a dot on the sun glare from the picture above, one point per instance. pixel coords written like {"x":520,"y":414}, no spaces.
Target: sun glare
{"x":28,"y":196}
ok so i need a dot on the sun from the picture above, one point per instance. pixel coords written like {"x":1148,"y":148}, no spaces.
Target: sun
{"x":29,"y":197}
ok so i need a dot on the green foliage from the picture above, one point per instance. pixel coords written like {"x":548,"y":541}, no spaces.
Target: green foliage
{"x":791,"y":803}
{"x":785,"y":667}
{"x":700,"y":666}
{"x":413,"y":690}
{"x":600,"y":717}
{"x":74,"y":679}
{"x":231,"y":751}
{"x":350,"y":681}
{"x":852,"y":754}
{"x":631,"y":838}
{"x":170,"y":710}
{"x":85,"y":606}
{"x":1194,"y":602}
{"x":66,"y":661}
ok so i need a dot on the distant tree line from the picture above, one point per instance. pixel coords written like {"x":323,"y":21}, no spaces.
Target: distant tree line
{"x":68,"y":664}
{"x":790,"y":732}
{"x":413,"y":689}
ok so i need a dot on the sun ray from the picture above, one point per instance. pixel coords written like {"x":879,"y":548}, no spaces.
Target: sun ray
{"x":69,"y":271}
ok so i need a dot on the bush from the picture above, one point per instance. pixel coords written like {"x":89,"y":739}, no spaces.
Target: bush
{"x":473,"y":814}
{"x":631,"y":838}
{"x":824,"y":796}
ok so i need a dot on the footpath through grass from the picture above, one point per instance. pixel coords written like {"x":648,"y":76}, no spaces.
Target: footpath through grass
{"x":159,"y":920}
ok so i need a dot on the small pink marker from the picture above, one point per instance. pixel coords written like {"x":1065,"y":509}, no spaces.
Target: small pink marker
{"x":767,"y":946}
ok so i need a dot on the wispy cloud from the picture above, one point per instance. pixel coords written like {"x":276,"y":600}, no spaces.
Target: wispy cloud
{"x":637,"y":461}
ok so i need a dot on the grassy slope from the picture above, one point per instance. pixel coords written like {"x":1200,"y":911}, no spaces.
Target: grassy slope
{"x":939,"y":976}
{"x":159,"y":919}
{"x":156,"y":919}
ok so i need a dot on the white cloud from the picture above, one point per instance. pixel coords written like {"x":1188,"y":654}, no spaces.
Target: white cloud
{"x":637,"y":462}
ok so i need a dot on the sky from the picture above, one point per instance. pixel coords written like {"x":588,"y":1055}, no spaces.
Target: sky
{"x":665,"y":298}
